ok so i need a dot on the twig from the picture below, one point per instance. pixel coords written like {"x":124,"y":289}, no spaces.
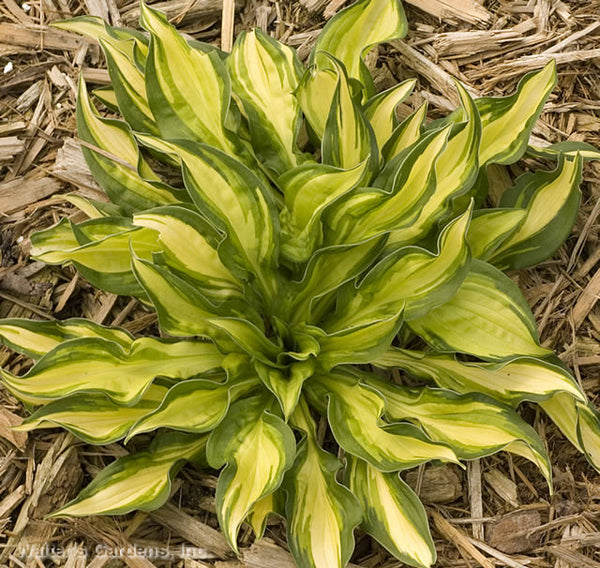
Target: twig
{"x":227,"y":25}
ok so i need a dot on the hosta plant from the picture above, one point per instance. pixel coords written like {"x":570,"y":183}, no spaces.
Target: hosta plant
{"x":297,"y":241}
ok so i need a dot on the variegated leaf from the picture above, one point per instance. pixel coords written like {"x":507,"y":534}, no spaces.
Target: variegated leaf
{"x":405,"y":134}
{"x":129,"y":86}
{"x":235,"y":200}
{"x":247,"y":432}
{"x":562,"y":409}
{"x":106,"y":95}
{"x":99,"y":228}
{"x":93,"y":208}
{"x":98,"y":365}
{"x":351,"y":32}
{"x":308,"y":191}
{"x":94,"y":418}
{"x":115,"y":161}
{"x":262,"y":509}
{"x":487,"y":317}
{"x":490,"y":228}
{"x":380,"y":110}
{"x":357,"y":345}
{"x":190,"y":245}
{"x":286,"y":384}
{"x":406,"y":183}
{"x":507,"y":122}
{"x":456,"y":170}
{"x":315,"y":95}
{"x":36,"y":338}
{"x":348,"y":139}
{"x":512,"y":381}
{"x":58,"y":237}
{"x":354,"y":412}
{"x":321,"y":513}
{"x":393,"y":514}
{"x":195,"y":405}
{"x":579,"y":422}
{"x":105,"y":262}
{"x":264,"y":75}
{"x":183,"y":311}
{"x":473,"y":425}
{"x":327,"y":270}
{"x":568,"y":149}
{"x":249,"y":338}
{"x":411,"y":278}
{"x":141,"y":481}
{"x":97,"y":29}
{"x":188,"y":90}
{"x":551,"y":202}
{"x":589,"y":432}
